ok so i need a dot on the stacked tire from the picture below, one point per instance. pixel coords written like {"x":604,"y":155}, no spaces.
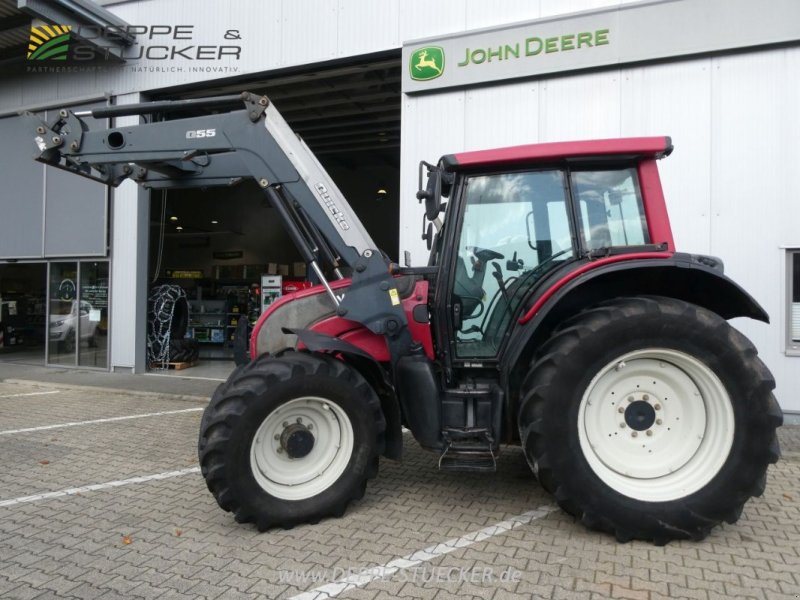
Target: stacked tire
{"x":183,"y":350}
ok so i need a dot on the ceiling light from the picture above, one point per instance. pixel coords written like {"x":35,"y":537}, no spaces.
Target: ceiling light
{"x":173,"y":218}
{"x":179,"y":228}
{"x":214,"y":222}
{"x":380,"y":194}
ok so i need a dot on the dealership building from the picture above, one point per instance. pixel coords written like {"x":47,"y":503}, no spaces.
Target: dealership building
{"x":373,"y":87}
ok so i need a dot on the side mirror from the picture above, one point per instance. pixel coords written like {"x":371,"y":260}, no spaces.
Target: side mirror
{"x":432,"y":194}
{"x":428,"y":236}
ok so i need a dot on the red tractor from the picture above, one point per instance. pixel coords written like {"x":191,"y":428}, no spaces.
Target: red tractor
{"x":554,"y":313}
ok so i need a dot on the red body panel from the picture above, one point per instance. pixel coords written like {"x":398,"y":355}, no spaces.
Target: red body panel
{"x":420,"y":332}
{"x":655,"y":207}
{"x":645,"y":146}
{"x":317,"y":289}
{"x":355,"y":333}
{"x":580,"y":271}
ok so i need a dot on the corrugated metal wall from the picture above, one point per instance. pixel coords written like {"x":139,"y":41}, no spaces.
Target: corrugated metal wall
{"x":731,"y":184}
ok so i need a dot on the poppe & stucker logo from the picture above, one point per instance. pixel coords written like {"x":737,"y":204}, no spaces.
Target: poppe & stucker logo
{"x":49,"y":42}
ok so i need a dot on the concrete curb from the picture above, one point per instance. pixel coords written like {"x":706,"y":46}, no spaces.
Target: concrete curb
{"x":95,"y":388}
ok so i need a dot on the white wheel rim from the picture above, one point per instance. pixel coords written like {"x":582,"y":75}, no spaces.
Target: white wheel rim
{"x":300,"y":478}
{"x":686,"y":421}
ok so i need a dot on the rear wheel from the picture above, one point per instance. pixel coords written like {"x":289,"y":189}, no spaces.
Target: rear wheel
{"x":291,"y":439}
{"x":650,"y":418}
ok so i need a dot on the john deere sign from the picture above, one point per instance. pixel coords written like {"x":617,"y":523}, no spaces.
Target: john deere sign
{"x":629,"y":33}
{"x":426,"y":63}
{"x":533,"y":46}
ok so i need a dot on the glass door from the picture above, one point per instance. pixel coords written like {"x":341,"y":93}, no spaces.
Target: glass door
{"x":63,"y":313}
{"x":78,"y":314}
{"x":93,"y":324}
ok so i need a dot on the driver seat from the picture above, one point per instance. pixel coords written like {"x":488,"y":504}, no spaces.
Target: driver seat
{"x":466,"y":289}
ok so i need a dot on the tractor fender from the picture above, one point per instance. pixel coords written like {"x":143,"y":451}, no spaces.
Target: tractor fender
{"x":696,"y":279}
{"x":365,"y":363}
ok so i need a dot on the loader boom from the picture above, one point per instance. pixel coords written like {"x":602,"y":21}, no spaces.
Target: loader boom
{"x":222,"y":150}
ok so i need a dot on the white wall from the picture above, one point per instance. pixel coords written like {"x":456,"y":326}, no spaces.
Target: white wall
{"x":731,"y":183}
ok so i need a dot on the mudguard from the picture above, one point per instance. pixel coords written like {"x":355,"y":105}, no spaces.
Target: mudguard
{"x":692,"y":278}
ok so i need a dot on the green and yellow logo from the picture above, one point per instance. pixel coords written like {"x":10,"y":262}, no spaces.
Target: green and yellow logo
{"x":427,"y":63}
{"x":49,"y":42}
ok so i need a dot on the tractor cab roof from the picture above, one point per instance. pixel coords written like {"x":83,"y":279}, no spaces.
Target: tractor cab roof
{"x":622,"y":148}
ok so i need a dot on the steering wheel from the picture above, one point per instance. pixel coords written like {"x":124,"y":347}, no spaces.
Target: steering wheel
{"x":485,"y":255}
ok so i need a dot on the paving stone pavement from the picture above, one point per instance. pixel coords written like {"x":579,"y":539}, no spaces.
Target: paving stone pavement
{"x":166,"y":538}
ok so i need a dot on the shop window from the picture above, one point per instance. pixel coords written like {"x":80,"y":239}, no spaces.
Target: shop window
{"x":793,"y":297}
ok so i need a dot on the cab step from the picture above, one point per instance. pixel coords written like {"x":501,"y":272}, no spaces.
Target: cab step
{"x":468,"y":449}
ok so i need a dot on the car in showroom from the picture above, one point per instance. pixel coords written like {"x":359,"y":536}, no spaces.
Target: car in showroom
{"x":71,"y":320}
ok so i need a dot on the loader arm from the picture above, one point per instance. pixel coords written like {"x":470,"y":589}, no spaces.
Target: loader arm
{"x":222,"y":150}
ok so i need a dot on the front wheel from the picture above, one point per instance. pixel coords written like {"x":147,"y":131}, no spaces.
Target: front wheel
{"x":650,"y":418}
{"x":291,"y":439}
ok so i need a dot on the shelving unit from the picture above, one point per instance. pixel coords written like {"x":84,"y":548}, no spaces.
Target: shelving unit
{"x":207,"y":326}
{"x":230,"y":328}
{"x":215,"y":308}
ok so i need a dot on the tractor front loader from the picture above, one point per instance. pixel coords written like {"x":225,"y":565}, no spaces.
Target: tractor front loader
{"x":554,"y":313}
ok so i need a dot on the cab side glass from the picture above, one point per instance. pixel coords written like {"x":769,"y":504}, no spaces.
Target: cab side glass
{"x":610,"y":208}
{"x":515,"y":229}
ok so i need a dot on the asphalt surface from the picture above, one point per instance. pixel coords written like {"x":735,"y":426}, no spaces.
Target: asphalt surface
{"x":101,"y":497}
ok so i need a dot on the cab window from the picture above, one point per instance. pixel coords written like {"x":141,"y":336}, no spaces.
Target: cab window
{"x":515,"y":228}
{"x":610,"y":208}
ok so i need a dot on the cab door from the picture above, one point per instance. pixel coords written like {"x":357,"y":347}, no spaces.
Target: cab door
{"x":514,"y":227}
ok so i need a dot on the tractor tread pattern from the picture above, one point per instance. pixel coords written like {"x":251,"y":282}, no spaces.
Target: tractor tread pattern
{"x":228,"y":407}
{"x":698,"y":515}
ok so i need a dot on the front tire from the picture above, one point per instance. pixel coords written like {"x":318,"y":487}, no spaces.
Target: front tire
{"x":291,"y":439}
{"x":650,"y":418}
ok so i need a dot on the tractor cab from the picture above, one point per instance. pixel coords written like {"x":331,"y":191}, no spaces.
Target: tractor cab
{"x":518,"y":217}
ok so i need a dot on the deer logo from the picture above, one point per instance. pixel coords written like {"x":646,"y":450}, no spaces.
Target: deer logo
{"x":426,"y":63}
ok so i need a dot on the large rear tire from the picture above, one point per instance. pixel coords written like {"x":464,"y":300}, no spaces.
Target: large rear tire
{"x":291,"y":439}
{"x":650,"y":418}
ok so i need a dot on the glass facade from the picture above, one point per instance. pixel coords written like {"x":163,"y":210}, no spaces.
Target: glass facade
{"x":23,"y":298}
{"x":94,"y":298}
{"x":78,"y":314}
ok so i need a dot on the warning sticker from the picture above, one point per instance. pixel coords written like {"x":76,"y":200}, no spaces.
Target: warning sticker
{"x":394,"y":296}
